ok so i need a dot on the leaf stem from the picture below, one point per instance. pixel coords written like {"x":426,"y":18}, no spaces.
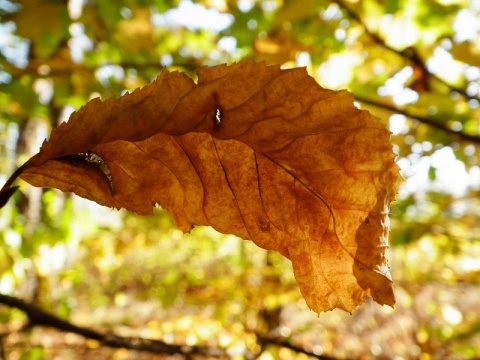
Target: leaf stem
{"x":14,"y":177}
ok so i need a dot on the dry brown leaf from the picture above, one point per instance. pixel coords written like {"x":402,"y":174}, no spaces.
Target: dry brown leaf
{"x":251,"y":150}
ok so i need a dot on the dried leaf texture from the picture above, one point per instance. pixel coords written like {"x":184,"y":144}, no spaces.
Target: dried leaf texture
{"x":251,"y":150}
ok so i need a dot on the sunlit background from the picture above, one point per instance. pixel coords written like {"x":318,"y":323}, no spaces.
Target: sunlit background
{"x":414,"y":64}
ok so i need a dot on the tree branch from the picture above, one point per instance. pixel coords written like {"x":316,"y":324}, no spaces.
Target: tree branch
{"x":410,"y":54}
{"x":39,"y":317}
{"x":422,"y":119}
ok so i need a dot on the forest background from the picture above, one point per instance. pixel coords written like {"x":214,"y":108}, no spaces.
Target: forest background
{"x":414,"y":64}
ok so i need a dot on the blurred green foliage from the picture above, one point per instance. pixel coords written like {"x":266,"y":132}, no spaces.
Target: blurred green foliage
{"x":412,"y":63}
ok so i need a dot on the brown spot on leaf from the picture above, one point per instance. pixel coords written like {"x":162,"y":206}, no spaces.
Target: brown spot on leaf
{"x":264,"y":226}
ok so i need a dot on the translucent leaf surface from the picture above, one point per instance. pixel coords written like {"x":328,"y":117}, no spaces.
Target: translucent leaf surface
{"x":251,"y":150}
